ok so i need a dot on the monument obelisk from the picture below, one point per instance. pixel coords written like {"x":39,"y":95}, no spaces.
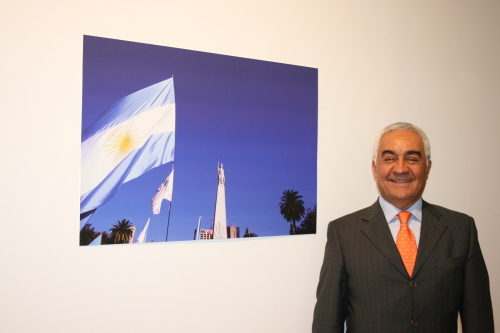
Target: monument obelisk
{"x":220,"y":227}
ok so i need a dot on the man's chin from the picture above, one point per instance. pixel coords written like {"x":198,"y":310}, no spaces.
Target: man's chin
{"x":398,"y":198}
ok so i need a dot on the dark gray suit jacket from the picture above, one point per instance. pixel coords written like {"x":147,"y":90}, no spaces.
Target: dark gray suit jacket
{"x":363,"y":280}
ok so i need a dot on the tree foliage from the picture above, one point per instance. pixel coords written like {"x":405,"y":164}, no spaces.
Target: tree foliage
{"x":121,"y":232}
{"x":249,"y":234}
{"x":292,"y":208}
{"x":87,"y":234}
{"x":308,"y":224}
{"x":105,"y":238}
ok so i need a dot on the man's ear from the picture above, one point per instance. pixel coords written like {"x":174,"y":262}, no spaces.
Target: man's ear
{"x":374,"y":170}
{"x":429,"y":167}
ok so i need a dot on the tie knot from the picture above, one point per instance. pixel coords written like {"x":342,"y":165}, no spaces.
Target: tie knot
{"x":404,"y":216}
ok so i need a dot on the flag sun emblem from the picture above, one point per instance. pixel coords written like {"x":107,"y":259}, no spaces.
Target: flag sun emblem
{"x":121,"y":142}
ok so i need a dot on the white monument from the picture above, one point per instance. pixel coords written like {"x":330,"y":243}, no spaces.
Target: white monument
{"x":220,"y":227}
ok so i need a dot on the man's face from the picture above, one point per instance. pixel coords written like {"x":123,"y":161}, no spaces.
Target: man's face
{"x":402,"y":169}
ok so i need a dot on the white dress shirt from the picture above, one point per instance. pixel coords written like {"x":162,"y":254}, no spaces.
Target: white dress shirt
{"x":414,"y":223}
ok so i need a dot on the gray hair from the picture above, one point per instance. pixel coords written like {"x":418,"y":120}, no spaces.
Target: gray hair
{"x":401,"y":126}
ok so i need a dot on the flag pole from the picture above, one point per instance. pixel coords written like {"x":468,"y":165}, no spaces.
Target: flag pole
{"x":168,"y":221}
{"x":169,"y":206}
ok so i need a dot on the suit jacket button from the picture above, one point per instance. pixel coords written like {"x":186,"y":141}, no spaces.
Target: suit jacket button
{"x":414,"y":323}
{"x":413,"y":284}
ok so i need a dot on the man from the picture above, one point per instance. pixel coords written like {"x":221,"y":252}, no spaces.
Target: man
{"x":386,"y":272}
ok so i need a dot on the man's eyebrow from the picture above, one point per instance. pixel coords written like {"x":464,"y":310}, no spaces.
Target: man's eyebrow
{"x":409,"y":152}
{"x":390,"y":152}
{"x":414,"y":152}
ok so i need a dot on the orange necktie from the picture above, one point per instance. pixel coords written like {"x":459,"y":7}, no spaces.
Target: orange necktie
{"x":406,"y":243}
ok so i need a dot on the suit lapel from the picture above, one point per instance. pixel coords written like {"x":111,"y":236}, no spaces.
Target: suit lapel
{"x":377,"y":230}
{"x":430,"y":233}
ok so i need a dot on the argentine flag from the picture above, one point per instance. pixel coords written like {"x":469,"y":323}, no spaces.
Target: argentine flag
{"x":134,"y":136}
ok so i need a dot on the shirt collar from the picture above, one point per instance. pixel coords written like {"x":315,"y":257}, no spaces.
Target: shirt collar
{"x":390,"y":211}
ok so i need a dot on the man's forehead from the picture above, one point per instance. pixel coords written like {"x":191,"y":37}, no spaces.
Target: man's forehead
{"x":401,"y":140}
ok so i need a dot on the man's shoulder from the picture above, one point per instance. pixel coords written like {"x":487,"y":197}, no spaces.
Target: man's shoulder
{"x":359,"y":215}
{"x":356,"y":214}
{"x":443,"y":212}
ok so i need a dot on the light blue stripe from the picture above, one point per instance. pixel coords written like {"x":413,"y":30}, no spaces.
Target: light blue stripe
{"x":145,"y":99}
{"x":97,"y":240}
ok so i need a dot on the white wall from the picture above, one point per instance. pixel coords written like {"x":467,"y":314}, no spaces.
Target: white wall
{"x":433,"y":63}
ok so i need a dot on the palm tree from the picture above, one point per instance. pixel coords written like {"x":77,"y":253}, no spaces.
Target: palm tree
{"x":292,"y":207}
{"x":121,"y":232}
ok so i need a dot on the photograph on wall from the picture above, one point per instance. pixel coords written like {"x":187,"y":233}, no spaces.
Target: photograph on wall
{"x":182,"y":145}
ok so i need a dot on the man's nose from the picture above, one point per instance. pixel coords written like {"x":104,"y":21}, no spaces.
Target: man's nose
{"x":400,"y":166}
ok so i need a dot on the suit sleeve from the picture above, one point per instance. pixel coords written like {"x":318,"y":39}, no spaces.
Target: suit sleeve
{"x":476,"y":311}
{"x":331,"y":306}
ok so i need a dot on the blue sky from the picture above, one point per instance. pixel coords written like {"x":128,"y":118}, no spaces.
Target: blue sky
{"x":258,"y":118}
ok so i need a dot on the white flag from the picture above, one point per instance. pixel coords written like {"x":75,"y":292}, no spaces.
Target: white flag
{"x":164,"y":192}
{"x":142,"y":236}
